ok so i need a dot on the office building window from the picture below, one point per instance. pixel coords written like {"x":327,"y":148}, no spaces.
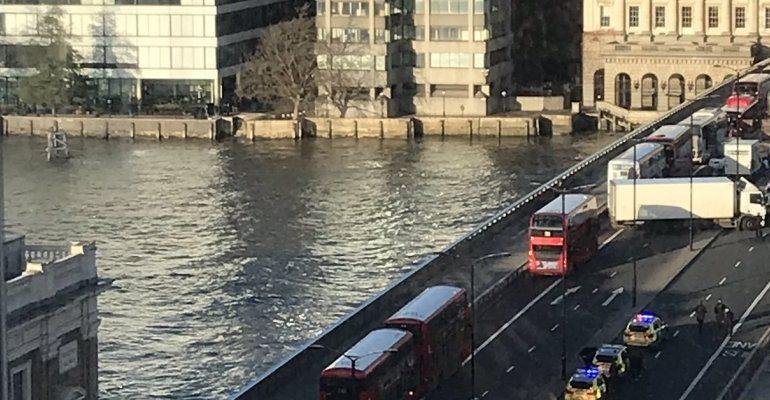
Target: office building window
{"x":419,"y":32}
{"x":449,"y":6}
{"x":350,"y":35}
{"x":480,"y":34}
{"x":320,"y":7}
{"x":660,"y":17}
{"x":379,"y":63}
{"x":713,"y":17}
{"x":381,"y":35}
{"x":419,"y":6}
{"x":419,"y":60}
{"x":767,"y":18}
{"x":740,"y":17}
{"x":604,"y":19}
{"x":478,"y":7}
{"x":478,"y":60}
{"x":448,"y":33}
{"x":380,"y":9}
{"x":450,"y":60}
{"x":353,"y":62}
{"x":358,"y":8}
{"x":633,"y":16}
{"x":686,"y":17}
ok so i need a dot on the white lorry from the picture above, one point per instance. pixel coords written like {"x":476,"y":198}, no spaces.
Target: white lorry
{"x":742,"y":156}
{"x":729,"y":203}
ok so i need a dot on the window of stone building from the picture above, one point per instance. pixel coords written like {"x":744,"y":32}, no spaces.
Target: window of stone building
{"x":604,"y":17}
{"x":767,"y":18}
{"x":660,"y":17}
{"x":21,"y":382}
{"x":686,"y":17}
{"x":633,"y":16}
{"x":320,"y":7}
{"x":713,"y":17}
{"x":478,"y":6}
{"x":740,"y":17}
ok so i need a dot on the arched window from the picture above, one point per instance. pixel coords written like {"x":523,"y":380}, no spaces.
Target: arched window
{"x":675,"y":90}
{"x":623,"y":91}
{"x":702,"y":82}
{"x":599,"y":85}
{"x":649,"y":92}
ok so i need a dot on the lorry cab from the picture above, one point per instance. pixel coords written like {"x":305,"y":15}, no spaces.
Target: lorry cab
{"x":753,"y":205}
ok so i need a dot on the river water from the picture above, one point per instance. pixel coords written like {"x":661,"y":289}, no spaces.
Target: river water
{"x":228,"y":256}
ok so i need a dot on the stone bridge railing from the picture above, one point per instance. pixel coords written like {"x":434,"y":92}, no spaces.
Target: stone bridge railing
{"x":356,"y":324}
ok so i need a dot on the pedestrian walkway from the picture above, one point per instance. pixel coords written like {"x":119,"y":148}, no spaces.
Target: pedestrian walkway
{"x":759,"y":387}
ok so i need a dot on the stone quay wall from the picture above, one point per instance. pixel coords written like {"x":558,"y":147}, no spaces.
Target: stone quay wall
{"x":110,"y":128}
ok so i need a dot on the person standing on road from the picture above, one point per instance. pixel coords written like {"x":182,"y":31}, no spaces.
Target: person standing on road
{"x":729,"y":320}
{"x":719,"y":315}
{"x":700,"y":315}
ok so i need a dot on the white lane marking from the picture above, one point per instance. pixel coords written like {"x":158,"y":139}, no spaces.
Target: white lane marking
{"x":743,"y":366}
{"x":615,"y":293}
{"x":676,"y":333}
{"x":508,"y":371}
{"x":751,"y":249}
{"x":657,"y":354}
{"x":612,"y":275}
{"x":512,"y":320}
{"x":724,"y":342}
{"x":594,"y":291}
{"x":724,"y":278}
{"x":555,"y":327}
{"x":692,"y":314}
{"x":576,"y":307}
{"x":708,"y":297}
{"x":737,"y":264}
{"x":531,"y":349}
{"x":486,"y":392}
{"x":529,"y":305}
{"x":567,"y":293}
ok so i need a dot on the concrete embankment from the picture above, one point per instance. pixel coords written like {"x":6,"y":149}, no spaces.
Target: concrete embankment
{"x":302,"y":367}
{"x":521,"y":124}
{"x":113,"y":128}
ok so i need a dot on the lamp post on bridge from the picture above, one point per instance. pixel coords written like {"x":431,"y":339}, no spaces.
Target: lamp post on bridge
{"x":737,"y":118}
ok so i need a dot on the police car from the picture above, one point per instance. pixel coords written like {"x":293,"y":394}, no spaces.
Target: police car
{"x":612,"y":360}
{"x":644,"y":330}
{"x":586,"y":384}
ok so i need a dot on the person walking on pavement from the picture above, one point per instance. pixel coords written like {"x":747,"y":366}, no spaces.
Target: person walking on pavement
{"x":700,"y":315}
{"x":719,"y":314}
{"x":729,"y":320}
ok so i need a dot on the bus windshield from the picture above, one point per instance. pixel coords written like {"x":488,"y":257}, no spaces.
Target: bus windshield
{"x":548,"y":221}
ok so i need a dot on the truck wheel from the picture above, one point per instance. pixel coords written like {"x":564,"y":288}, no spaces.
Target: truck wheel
{"x":750,"y":224}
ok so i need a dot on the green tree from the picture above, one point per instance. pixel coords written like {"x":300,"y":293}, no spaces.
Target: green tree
{"x":283,"y":66}
{"x":57,"y":80}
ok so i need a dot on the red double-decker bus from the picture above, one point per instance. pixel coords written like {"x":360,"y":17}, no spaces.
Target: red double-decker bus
{"x":563,"y":233}
{"x":381,"y":366}
{"x":440,"y":322}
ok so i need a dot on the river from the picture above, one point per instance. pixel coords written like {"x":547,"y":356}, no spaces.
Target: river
{"x":227,"y":256}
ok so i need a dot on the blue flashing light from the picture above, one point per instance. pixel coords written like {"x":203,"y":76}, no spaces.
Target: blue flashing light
{"x":589,"y":372}
{"x":645,"y":318}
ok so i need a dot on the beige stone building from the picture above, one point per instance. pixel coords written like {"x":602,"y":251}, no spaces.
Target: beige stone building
{"x":423,"y":57}
{"x":52,"y":320}
{"x":653,"y":54}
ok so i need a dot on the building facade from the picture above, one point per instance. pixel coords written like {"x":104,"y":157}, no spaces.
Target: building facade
{"x":424,"y":57}
{"x":52,"y":321}
{"x":654,"y":54}
{"x":152,"y":52}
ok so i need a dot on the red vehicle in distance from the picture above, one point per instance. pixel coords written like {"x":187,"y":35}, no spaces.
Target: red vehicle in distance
{"x":381,"y":366}
{"x":439,"y":320}
{"x":562,"y":234}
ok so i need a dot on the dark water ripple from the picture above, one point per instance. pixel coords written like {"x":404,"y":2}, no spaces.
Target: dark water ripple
{"x":227,"y":256}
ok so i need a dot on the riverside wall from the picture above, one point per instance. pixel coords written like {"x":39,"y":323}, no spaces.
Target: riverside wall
{"x":522,"y":124}
{"x":114,"y":128}
{"x":370,"y":314}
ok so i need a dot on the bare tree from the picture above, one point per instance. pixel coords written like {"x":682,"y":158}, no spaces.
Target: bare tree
{"x":343,"y":74}
{"x":284,"y":65}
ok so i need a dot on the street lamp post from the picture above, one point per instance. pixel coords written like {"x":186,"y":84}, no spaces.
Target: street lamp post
{"x":633,"y":254}
{"x":505,"y":105}
{"x":443,"y":102}
{"x":473,"y":314}
{"x":3,"y":297}
{"x":562,"y":192}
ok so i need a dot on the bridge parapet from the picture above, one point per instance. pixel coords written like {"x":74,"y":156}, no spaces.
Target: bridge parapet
{"x":372,"y":312}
